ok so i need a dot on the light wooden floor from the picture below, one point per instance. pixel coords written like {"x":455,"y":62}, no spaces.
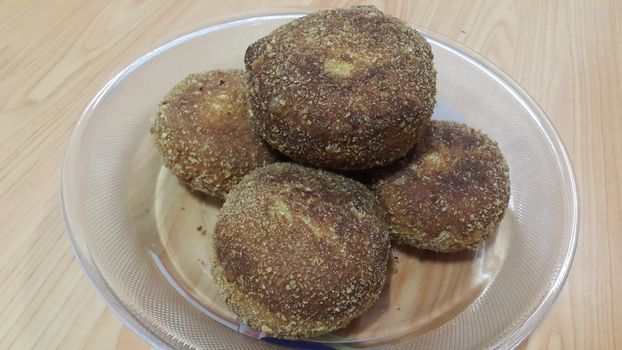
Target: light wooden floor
{"x":55,"y":55}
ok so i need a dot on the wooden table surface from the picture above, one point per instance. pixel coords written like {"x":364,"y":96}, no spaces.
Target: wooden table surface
{"x":55,"y":55}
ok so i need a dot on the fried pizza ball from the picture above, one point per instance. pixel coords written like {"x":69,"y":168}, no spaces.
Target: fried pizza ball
{"x":449,"y":193}
{"x":204,"y":134}
{"x":342,"y":89}
{"x":298,"y":251}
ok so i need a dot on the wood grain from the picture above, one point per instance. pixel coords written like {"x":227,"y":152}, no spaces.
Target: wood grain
{"x":55,"y":55}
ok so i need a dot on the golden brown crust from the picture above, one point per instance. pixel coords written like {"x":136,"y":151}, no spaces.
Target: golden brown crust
{"x":299,"y":251}
{"x":342,"y":89}
{"x":204,"y":134}
{"x":449,"y":193}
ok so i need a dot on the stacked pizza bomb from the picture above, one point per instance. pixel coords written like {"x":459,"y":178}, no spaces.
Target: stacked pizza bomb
{"x":301,"y":249}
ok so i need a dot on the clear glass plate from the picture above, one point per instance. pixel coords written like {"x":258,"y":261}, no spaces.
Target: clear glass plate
{"x":143,"y":239}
